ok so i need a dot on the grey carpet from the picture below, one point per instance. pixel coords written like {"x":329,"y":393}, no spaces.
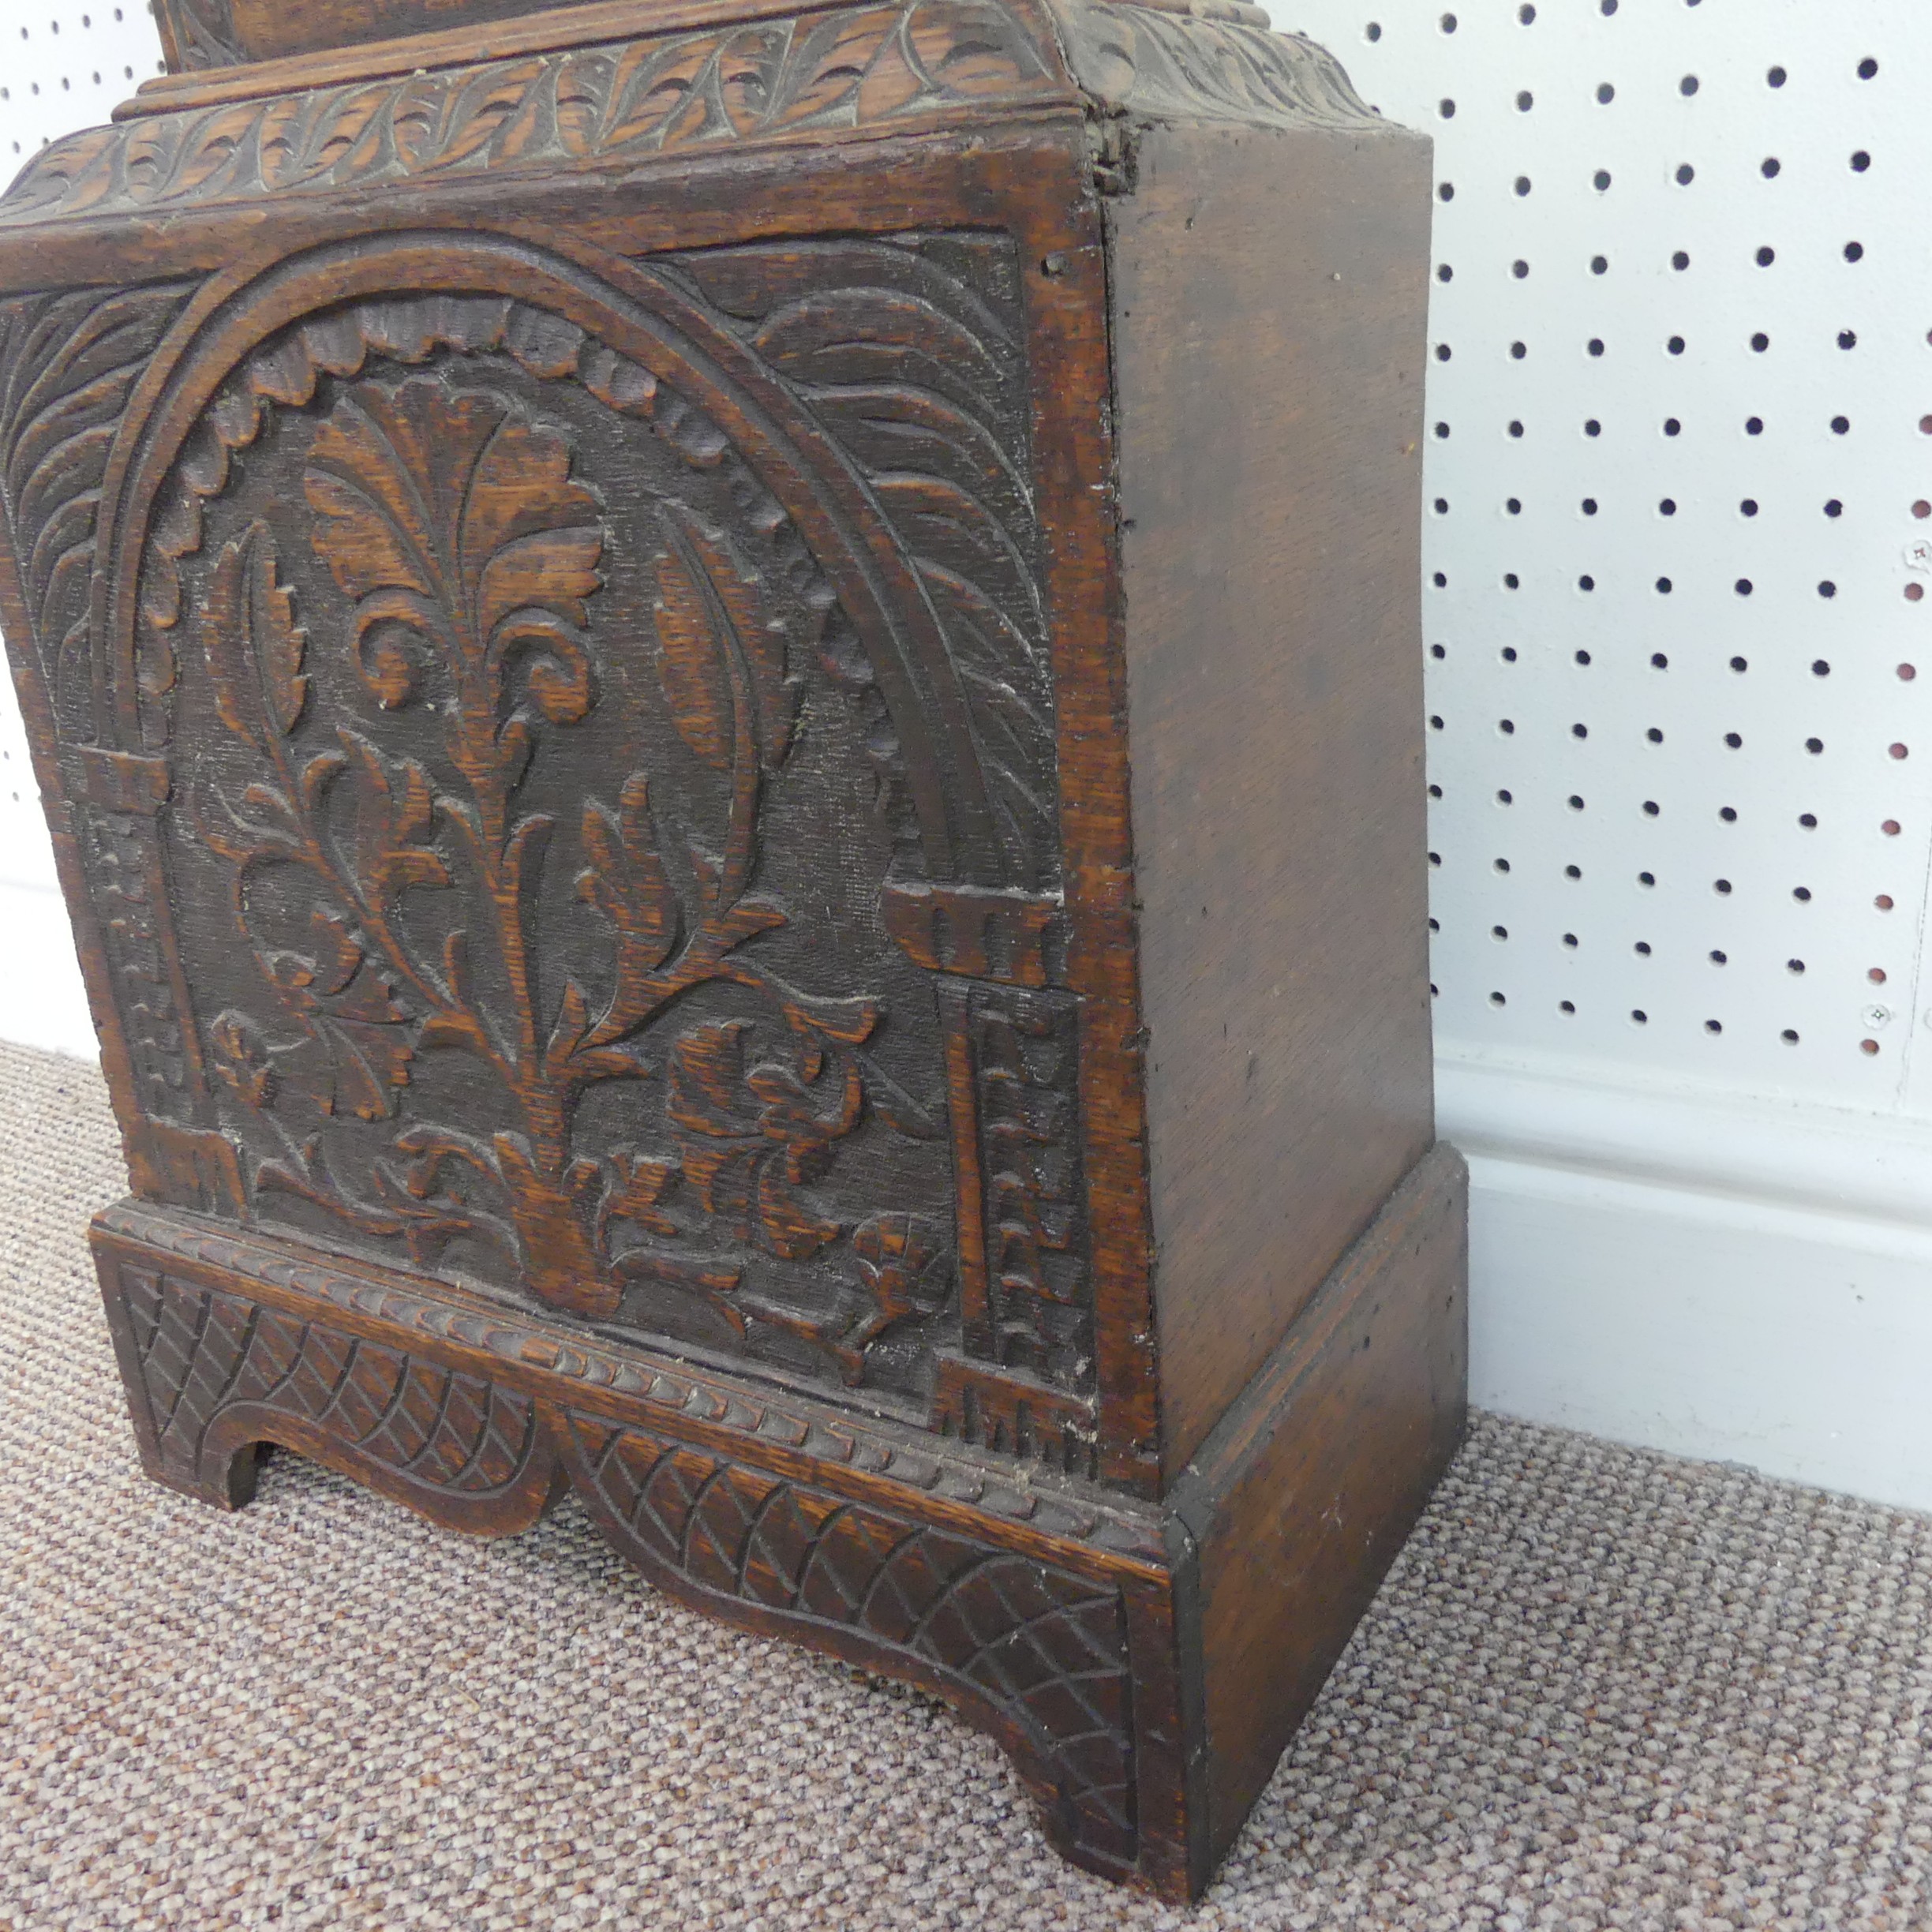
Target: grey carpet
{"x":1600,"y":1688}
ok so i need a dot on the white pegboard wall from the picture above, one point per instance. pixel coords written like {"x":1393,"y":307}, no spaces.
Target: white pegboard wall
{"x":1678,"y":363}
{"x":66,"y":67}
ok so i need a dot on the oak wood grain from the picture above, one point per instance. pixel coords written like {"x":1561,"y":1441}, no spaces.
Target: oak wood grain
{"x":1268,"y":343}
{"x":1299,"y":1500}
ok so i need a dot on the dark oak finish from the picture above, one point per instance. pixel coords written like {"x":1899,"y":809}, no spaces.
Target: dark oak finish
{"x":1301,"y":1497}
{"x":1267,"y":563}
{"x":728,"y":697}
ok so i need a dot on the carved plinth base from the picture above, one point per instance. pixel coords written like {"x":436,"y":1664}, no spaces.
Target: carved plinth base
{"x":1142,"y":1665}
{"x":730,"y":701}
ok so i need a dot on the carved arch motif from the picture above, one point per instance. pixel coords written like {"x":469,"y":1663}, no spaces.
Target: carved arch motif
{"x":642,"y":316}
{"x":331,"y":338}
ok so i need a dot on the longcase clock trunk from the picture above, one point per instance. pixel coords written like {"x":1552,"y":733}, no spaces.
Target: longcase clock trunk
{"x":730,"y":698}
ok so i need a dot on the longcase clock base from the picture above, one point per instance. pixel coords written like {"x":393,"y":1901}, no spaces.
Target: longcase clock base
{"x":730,"y":698}
{"x":1142,"y":1664}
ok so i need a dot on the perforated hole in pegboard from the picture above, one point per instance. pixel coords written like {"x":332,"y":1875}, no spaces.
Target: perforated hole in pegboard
{"x":1676,"y":545}
{"x":66,"y":68}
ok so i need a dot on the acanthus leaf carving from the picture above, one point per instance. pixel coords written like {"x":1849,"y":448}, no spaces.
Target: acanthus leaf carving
{"x":625,"y":881}
{"x":468,"y":552}
{"x":723,"y":661}
{"x":752,"y":1133}
{"x":905,"y":1271}
{"x":458,"y":530}
{"x":395,"y":810}
{"x":68,"y":364}
{"x":255,"y":648}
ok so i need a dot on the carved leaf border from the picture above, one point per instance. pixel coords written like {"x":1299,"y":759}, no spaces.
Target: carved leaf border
{"x":70,"y":364}
{"x":811,"y":72}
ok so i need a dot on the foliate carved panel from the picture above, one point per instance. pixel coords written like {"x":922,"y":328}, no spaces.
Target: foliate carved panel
{"x":561,"y":860}
{"x":500,"y":892}
{"x":536,"y":798}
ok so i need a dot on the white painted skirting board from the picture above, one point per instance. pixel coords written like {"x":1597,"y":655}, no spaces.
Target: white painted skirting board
{"x":1722,"y":1278}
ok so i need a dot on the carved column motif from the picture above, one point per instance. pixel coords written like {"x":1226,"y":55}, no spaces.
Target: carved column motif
{"x":1024,"y":1380}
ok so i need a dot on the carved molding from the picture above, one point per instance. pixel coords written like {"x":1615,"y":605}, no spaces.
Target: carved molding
{"x":836,"y":72}
{"x":685,"y":1394}
{"x":813,"y":74}
{"x":1035,"y":1652}
{"x":1169,"y":65}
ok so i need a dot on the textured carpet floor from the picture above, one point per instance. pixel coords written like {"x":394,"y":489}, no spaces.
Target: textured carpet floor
{"x":1600,"y":1688}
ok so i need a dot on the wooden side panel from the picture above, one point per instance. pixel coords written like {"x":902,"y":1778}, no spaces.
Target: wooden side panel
{"x":1299,"y":1502}
{"x":1268,"y":313}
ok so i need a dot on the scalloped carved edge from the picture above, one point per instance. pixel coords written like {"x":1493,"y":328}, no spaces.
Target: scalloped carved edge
{"x":1170,"y":65}
{"x":815,"y":74}
{"x":675,"y":1393}
{"x":1062,"y":1652}
{"x":812,"y":74}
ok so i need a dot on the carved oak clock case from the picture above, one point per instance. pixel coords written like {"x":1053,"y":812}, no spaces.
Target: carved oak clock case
{"x":730,"y":698}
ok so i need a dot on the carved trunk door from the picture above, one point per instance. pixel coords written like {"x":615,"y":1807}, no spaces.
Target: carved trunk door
{"x":604,"y":717}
